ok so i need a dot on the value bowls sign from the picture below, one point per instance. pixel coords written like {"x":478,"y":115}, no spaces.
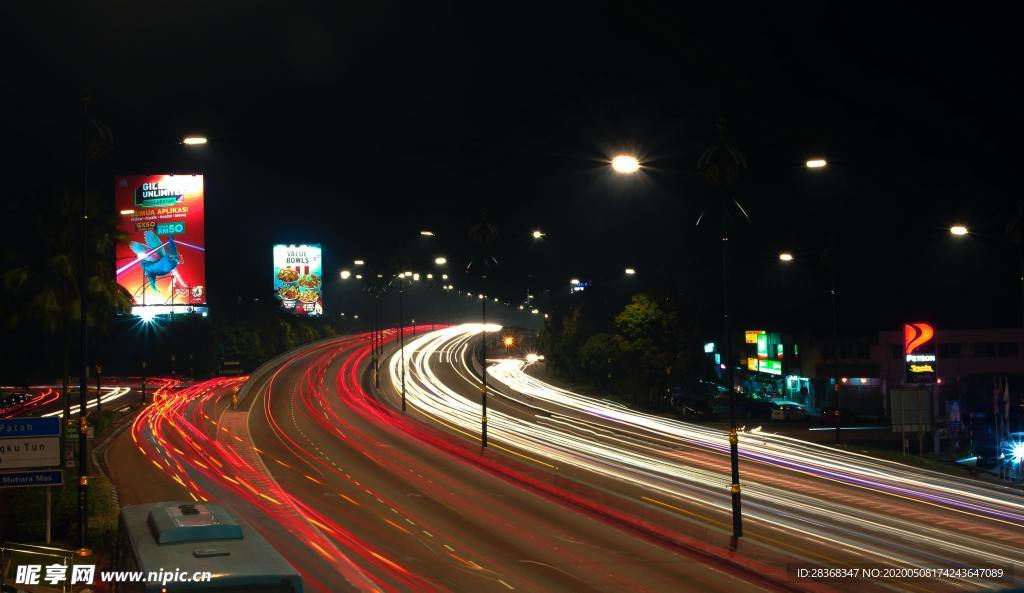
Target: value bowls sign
{"x":162,"y":260}
{"x":298,"y":278}
{"x":919,"y":348}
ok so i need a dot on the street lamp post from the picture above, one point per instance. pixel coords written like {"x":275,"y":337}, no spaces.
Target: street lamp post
{"x":483,"y":372}
{"x":835,"y":335}
{"x":401,"y":332}
{"x":722,"y":166}
{"x":83,"y":280}
{"x":483,"y":235}
{"x":786,"y":258}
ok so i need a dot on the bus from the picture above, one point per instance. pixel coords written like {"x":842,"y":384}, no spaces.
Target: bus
{"x":195,"y":547}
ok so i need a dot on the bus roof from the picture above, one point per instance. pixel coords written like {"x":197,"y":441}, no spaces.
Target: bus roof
{"x":200,"y":536}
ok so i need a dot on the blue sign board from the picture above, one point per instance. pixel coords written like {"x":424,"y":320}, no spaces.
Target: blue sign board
{"x":29,"y":427}
{"x":42,"y":477}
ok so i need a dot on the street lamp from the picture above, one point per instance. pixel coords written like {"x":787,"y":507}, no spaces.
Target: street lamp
{"x":440,"y":261}
{"x":538,"y":234}
{"x":358,"y":262}
{"x":626,"y":164}
{"x":786,"y":256}
{"x":630,"y":272}
{"x":958,"y":230}
{"x":722,"y":165}
{"x":345,"y":274}
{"x":426,"y":233}
{"x":816,"y":163}
{"x":194,"y":140}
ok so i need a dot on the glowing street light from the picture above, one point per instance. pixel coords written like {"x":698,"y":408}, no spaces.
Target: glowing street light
{"x":430,"y":276}
{"x":358,"y":262}
{"x":958,"y":230}
{"x":816,"y":163}
{"x":441,"y":261}
{"x":416,"y":277}
{"x":626,"y":164}
{"x":630,"y":272}
{"x":574,"y":281}
{"x":786,"y":256}
{"x":444,"y":276}
{"x":508,"y":341}
{"x":426,"y":233}
{"x":345,"y":274}
{"x":534,"y":311}
{"x":194,"y":140}
{"x":538,"y":234}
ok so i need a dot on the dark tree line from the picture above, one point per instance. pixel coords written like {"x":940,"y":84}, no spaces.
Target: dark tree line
{"x":638,"y":351}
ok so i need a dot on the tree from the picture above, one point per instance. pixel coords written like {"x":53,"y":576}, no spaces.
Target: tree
{"x":43,"y":287}
{"x":601,"y":360}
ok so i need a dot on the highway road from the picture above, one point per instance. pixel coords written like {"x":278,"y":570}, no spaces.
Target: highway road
{"x":806,"y":504}
{"x":359,"y":497}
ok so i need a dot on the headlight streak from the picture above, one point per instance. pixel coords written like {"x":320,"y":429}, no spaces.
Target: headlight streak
{"x":637,"y":448}
{"x":110,"y":394}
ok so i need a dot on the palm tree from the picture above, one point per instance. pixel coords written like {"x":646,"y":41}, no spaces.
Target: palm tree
{"x":42,"y":288}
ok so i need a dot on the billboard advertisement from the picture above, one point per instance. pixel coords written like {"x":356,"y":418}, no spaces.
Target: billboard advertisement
{"x":919,"y":345}
{"x":162,"y":258}
{"x":298,"y":278}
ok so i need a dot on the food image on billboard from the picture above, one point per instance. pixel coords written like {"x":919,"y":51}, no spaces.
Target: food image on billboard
{"x":161,"y":259}
{"x":298,"y":278}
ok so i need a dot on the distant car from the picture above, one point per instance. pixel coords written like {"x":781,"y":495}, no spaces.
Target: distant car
{"x":828,"y":415}
{"x":787,"y":412}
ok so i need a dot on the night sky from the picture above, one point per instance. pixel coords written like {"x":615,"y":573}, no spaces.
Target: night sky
{"x":359,"y":125}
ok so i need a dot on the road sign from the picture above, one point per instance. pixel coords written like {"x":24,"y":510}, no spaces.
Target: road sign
{"x":44,"y":477}
{"x":73,"y":432}
{"x":29,"y":452}
{"x":29,"y":427}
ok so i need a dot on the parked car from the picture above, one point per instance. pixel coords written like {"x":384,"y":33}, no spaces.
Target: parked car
{"x":695,"y":410}
{"x":757,"y":408}
{"x":986,"y":455}
{"x":828,"y":415}
{"x":787,"y":412}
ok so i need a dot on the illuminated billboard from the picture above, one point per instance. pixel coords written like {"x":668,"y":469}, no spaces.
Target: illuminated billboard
{"x":919,"y":346}
{"x":161,"y":260}
{"x":298,"y":278}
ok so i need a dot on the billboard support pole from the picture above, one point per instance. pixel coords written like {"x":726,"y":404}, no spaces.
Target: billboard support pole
{"x":83,"y":280}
